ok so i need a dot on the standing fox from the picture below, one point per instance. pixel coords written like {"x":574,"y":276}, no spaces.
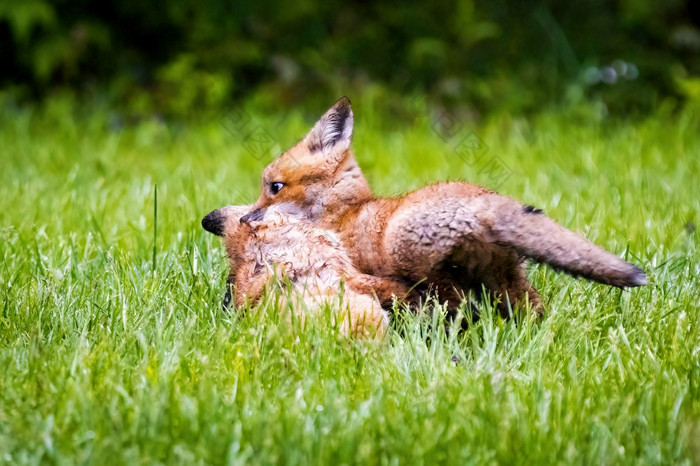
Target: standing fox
{"x":278,"y":248}
{"x":452,"y":235}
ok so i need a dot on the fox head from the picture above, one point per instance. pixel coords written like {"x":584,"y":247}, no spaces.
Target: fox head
{"x":319,"y":174}
{"x":226,"y":221}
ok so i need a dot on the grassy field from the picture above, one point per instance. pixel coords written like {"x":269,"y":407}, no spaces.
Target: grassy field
{"x":113,"y":355}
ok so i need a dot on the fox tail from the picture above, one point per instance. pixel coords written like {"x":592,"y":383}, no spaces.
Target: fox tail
{"x":534,"y":235}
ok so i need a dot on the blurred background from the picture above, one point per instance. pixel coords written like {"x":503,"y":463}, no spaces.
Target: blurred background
{"x":172,"y":58}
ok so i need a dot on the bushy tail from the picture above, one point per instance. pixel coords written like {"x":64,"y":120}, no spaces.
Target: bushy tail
{"x":540,"y":238}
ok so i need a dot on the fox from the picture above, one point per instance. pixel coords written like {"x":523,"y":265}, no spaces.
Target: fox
{"x":456,"y":236}
{"x":278,"y":248}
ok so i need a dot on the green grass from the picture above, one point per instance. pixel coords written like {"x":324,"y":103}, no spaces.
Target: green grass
{"x":107,"y":359}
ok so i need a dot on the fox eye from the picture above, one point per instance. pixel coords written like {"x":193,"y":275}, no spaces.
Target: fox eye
{"x":275,"y":187}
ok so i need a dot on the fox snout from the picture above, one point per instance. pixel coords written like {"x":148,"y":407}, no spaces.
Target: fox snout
{"x":225,"y":221}
{"x":214,"y":222}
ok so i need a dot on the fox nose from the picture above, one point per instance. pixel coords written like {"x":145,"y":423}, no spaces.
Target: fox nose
{"x":214,"y":222}
{"x":253,"y":216}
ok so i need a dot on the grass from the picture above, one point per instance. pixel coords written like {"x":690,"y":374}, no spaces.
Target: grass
{"x":113,"y":356}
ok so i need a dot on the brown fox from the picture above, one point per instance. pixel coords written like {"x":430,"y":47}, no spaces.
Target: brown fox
{"x":278,"y":248}
{"x":453,"y":235}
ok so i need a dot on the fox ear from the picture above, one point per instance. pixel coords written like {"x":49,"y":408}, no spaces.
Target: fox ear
{"x":333,"y":132}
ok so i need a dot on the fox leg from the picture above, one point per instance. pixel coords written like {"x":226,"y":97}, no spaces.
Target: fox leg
{"x":360,"y":316}
{"x":511,"y":287}
{"x":384,"y":288}
{"x":511,"y":295}
{"x":250,"y":284}
{"x":453,"y":240}
{"x":365,"y":318}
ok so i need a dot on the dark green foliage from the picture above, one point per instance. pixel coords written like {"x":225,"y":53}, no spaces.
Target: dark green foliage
{"x":171,"y":56}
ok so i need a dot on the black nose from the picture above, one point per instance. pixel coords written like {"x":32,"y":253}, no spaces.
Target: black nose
{"x":214,"y":223}
{"x":253,"y":216}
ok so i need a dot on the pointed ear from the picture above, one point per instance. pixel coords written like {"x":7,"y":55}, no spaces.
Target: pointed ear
{"x":333,"y":132}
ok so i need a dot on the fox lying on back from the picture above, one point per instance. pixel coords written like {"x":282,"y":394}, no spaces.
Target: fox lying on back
{"x":457,"y":236}
{"x":311,"y":260}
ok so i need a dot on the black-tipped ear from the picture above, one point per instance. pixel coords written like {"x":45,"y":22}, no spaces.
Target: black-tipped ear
{"x":214,"y":222}
{"x":333,"y":131}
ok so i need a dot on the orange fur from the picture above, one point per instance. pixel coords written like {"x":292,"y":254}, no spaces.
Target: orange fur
{"x":456,"y":236}
{"x":278,"y":248}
